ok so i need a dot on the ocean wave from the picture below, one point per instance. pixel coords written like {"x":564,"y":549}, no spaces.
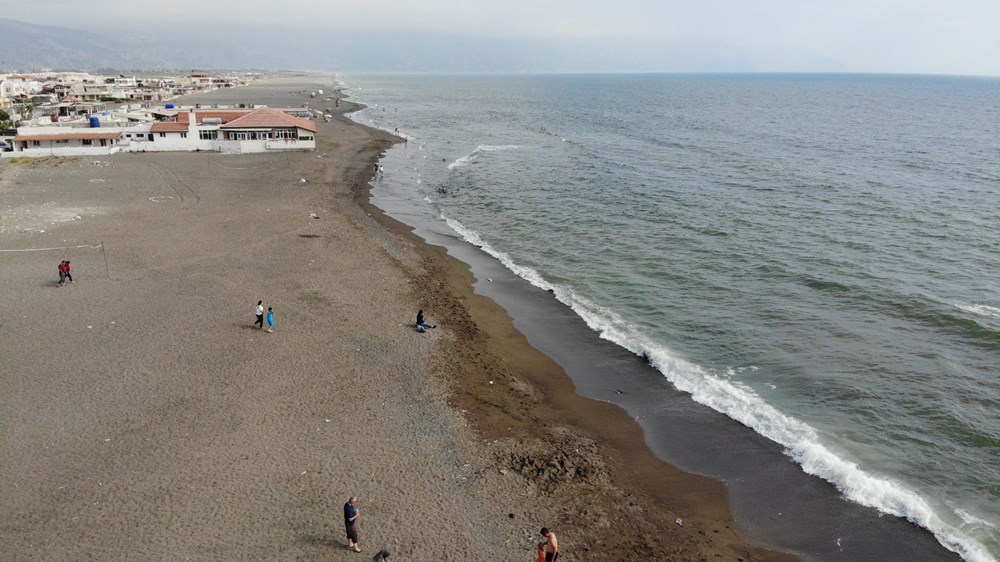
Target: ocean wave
{"x":741,"y":403}
{"x":979,"y":309}
{"x":474,"y":155}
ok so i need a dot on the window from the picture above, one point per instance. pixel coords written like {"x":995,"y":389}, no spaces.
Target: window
{"x":36,"y":143}
{"x":88,"y":142}
{"x":208,"y":135}
{"x":248,"y":135}
{"x":184,"y":135}
{"x":286,"y":134}
{"x":163,"y":135}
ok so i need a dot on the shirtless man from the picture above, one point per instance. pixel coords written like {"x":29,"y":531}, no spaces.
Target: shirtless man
{"x":551,"y":545}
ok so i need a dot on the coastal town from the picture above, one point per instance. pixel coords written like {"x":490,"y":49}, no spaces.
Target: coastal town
{"x":83,"y":114}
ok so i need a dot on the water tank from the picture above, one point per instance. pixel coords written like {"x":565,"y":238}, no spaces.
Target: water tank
{"x":95,"y":121}
{"x":169,"y":106}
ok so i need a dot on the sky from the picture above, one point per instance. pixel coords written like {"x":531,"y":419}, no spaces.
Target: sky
{"x":897,"y":36}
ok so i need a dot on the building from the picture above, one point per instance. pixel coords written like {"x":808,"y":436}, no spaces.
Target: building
{"x":231,"y":131}
{"x":44,"y":141}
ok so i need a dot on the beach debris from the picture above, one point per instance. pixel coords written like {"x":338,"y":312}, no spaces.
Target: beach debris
{"x":97,"y":180}
{"x":491,"y":382}
{"x":303,"y":180}
{"x":90,"y":327}
{"x":679,"y":521}
{"x":313,"y":215}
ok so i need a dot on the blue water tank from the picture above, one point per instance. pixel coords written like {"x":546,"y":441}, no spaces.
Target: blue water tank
{"x":169,"y":106}
{"x":95,"y":121}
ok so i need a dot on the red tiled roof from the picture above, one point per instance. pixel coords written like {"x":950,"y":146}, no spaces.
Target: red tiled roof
{"x":169,"y":127}
{"x":68,"y":136}
{"x":267,"y":118}
{"x":224,"y":115}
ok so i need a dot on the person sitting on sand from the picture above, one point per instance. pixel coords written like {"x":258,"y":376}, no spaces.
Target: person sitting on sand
{"x":382,"y":555}
{"x":420,"y":322}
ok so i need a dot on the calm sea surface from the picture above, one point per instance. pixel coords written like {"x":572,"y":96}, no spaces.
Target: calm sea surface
{"x":817,"y":257}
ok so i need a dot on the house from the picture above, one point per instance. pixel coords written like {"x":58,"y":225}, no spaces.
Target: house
{"x":231,"y":131}
{"x":270,"y":129}
{"x":59,"y":141}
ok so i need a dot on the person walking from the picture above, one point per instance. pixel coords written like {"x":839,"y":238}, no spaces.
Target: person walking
{"x":420,"y":322}
{"x":65,"y":273}
{"x":270,"y":320}
{"x":351,"y":523}
{"x":551,"y":545}
{"x":260,"y":315}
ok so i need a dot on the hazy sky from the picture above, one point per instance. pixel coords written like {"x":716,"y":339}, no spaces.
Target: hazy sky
{"x":908,"y":36}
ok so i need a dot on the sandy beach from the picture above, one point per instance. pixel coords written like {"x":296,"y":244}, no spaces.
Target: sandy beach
{"x":144,"y":417}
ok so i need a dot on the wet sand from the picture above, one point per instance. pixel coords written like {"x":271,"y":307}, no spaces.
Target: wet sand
{"x":144,"y":417}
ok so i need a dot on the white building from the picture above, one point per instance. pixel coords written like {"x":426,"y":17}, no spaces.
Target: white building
{"x":59,"y":141}
{"x":235,"y":131}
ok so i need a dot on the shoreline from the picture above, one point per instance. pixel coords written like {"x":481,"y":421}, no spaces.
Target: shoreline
{"x":657,"y":492}
{"x":776,"y":503}
{"x":145,"y":416}
{"x":195,"y":437}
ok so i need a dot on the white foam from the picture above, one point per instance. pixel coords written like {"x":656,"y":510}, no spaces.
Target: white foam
{"x":474,"y":155}
{"x":741,"y":403}
{"x":980,"y":309}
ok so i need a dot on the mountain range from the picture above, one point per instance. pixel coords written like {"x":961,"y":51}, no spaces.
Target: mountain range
{"x":27,"y":47}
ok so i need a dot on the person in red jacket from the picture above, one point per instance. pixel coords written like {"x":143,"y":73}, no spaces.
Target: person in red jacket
{"x":65,"y":273}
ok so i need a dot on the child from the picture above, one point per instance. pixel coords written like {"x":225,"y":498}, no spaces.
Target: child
{"x":270,"y":320}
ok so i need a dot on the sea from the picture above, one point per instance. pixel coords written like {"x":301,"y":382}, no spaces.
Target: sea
{"x":808,"y":264}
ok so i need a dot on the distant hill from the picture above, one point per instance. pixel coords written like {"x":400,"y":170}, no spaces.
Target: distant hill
{"x":28,"y":47}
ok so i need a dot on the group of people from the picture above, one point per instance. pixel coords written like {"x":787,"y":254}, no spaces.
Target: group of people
{"x":260,"y":317}
{"x":65,"y":273}
{"x":548,"y":550}
{"x":421,"y":324}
